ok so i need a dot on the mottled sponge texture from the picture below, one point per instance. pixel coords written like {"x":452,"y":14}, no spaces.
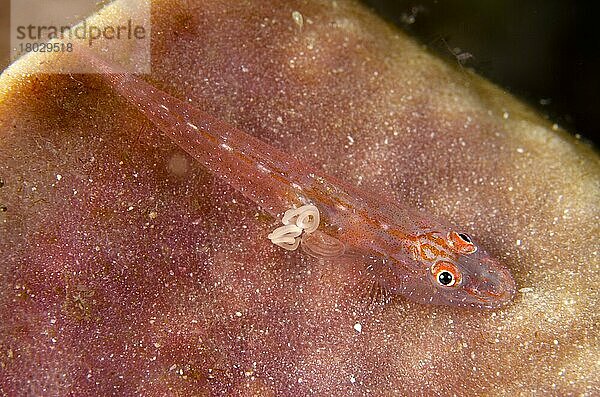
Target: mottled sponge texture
{"x":127,"y":269}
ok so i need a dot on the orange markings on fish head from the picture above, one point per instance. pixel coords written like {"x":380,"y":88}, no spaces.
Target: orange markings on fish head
{"x":460,"y":273}
{"x":431,"y":247}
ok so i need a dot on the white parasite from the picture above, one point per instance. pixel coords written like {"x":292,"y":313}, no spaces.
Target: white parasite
{"x":296,"y":220}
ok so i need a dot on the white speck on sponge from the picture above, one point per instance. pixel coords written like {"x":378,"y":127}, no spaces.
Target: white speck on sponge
{"x":298,"y":18}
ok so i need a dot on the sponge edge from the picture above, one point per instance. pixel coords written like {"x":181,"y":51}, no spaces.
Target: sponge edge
{"x":132,"y":55}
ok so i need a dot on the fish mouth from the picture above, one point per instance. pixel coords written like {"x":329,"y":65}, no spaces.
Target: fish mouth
{"x":493,"y":290}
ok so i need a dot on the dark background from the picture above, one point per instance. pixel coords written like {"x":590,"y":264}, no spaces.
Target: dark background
{"x":547,"y":52}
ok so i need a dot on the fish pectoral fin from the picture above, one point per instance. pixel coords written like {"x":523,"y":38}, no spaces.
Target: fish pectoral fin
{"x":377,"y":295}
{"x":322,"y":246}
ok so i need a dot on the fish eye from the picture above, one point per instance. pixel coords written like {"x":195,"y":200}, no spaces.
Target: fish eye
{"x":446,"y":274}
{"x":461,"y":243}
{"x":465,"y":237}
{"x":445,"y":278}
